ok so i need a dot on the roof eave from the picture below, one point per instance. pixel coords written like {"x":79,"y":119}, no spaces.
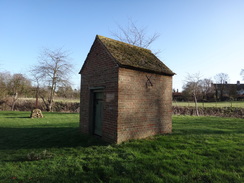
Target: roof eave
{"x":146,"y":70}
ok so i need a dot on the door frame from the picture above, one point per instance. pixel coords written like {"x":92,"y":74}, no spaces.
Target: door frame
{"x":93,"y":92}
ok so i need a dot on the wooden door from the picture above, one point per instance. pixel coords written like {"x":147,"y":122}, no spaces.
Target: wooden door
{"x":98,"y":113}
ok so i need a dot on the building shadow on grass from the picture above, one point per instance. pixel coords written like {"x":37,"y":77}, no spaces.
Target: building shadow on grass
{"x":33,"y":138}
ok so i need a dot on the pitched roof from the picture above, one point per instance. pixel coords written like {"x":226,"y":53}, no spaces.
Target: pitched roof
{"x":134,"y":57}
{"x":228,"y":85}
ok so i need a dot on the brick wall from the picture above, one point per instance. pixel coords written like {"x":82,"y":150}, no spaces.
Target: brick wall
{"x":99,"y":70}
{"x":136,"y":104}
{"x":144,"y":107}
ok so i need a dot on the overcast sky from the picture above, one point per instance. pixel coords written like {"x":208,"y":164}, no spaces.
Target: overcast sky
{"x":205,"y":36}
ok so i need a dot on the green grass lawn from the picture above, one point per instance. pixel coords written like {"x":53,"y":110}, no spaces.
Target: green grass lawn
{"x":200,"y":149}
{"x":211,"y":104}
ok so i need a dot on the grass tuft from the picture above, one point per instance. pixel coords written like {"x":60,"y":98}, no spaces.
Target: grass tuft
{"x":33,"y":156}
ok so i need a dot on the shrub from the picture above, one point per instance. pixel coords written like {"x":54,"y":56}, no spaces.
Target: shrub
{"x":210,"y":111}
{"x":29,"y":105}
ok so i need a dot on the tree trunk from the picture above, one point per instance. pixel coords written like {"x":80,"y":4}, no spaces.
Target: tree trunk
{"x":196,"y":105}
{"x":45,"y":103}
{"x":50,"y":105}
{"x":15,"y":98}
{"x":50,"y":101}
{"x":37,"y":94}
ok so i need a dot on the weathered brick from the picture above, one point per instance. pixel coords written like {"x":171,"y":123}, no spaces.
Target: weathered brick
{"x":136,"y":104}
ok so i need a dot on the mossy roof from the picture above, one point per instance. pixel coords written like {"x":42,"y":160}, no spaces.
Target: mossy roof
{"x":134,"y":57}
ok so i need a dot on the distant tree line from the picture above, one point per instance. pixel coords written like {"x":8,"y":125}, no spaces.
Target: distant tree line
{"x":197,"y":88}
{"x":15,"y":86}
{"x":206,"y":90}
{"x":49,"y":79}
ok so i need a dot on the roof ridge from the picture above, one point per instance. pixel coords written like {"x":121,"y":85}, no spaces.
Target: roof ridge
{"x":104,"y":37}
{"x":114,"y":59}
{"x":134,"y":57}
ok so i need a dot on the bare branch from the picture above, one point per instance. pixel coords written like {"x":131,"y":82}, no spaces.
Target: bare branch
{"x":53,"y":69}
{"x":194,"y":88}
{"x":134,"y":35}
{"x":222,"y":78}
{"x":242,"y":74}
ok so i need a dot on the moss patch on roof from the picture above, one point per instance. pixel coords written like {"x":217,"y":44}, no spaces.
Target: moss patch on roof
{"x":134,"y":57}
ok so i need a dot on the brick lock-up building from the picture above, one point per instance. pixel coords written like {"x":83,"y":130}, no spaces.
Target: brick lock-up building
{"x":126,"y":92}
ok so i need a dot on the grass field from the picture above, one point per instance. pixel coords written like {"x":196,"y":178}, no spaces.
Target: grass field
{"x":200,"y":149}
{"x":211,"y":104}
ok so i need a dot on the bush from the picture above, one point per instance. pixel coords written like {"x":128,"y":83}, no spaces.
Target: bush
{"x":29,"y":105}
{"x":210,"y":111}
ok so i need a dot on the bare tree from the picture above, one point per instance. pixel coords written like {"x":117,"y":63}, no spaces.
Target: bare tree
{"x":36,"y":77}
{"x":65,"y":92}
{"x":4,"y":80}
{"x":242,"y":74}
{"x":207,"y":88}
{"x":193,"y":85}
{"x":18,"y":85}
{"x":221,"y":80}
{"x":13,"y":86}
{"x":134,"y":35}
{"x":53,"y":69}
